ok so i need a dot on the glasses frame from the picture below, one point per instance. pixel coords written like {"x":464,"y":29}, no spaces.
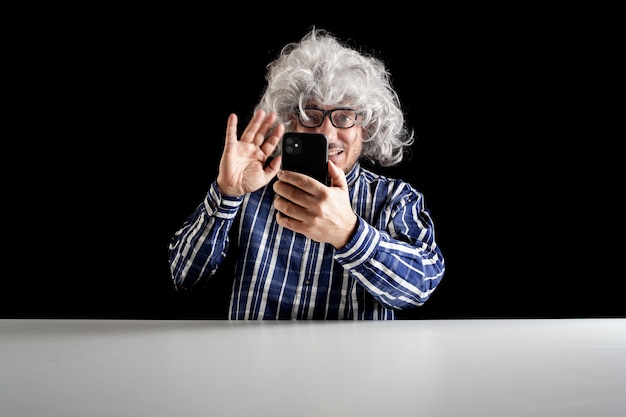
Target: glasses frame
{"x":328,"y":113}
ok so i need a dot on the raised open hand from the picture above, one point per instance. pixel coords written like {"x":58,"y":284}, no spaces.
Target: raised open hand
{"x":243,"y":166}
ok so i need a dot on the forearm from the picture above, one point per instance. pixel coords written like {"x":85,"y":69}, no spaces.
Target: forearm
{"x":198,"y":248}
{"x":398,"y":274}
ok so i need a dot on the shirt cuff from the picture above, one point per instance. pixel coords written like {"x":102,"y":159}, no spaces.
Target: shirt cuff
{"x":221,"y":206}
{"x":360,"y":247}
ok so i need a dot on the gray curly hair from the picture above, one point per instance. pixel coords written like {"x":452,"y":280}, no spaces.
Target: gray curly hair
{"x":320,"y":68}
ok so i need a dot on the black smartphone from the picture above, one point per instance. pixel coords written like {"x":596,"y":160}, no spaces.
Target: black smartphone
{"x":306,"y":153}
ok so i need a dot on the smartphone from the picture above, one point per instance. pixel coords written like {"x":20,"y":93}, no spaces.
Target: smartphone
{"x":306,"y":153}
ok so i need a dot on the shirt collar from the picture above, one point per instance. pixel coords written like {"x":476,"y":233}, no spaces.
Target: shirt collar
{"x":353,"y":174}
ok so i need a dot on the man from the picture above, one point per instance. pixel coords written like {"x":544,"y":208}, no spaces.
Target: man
{"x":360,"y":248}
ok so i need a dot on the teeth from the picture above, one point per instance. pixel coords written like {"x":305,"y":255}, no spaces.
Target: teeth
{"x":335,"y":152}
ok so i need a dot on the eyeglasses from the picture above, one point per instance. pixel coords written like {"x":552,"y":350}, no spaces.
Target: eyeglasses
{"x":340,"y":118}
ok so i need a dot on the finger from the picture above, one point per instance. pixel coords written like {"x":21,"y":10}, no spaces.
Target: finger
{"x":273,"y":167}
{"x":259,"y":128}
{"x":269,"y":145}
{"x":253,"y":126}
{"x":287,"y":222}
{"x":296,"y":196}
{"x":301,"y":181}
{"x":287,"y":208}
{"x":231,"y":128}
{"x":265,"y":130}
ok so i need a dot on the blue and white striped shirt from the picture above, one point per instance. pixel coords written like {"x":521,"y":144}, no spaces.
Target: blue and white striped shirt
{"x":392,"y":261}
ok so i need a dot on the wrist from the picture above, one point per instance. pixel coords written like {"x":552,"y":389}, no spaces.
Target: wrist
{"x":348,"y":234}
{"x":228,"y":191}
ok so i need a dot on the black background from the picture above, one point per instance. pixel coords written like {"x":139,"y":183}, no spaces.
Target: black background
{"x":117,"y":122}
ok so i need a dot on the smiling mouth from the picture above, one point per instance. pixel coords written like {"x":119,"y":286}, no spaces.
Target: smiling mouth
{"x":334,"y":152}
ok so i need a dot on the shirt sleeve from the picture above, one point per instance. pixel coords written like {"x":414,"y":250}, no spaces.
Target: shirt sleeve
{"x":199,"y":247}
{"x":398,"y":262}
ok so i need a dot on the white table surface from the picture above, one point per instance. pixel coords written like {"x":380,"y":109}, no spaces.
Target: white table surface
{"x":179,"y":368}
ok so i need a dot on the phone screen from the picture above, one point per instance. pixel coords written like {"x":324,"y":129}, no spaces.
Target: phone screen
{"x":306,"y":153}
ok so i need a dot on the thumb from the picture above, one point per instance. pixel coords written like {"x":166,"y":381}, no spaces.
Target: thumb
{"x":337,"y":176}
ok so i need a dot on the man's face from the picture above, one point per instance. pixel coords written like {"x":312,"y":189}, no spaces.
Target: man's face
{"x":344,"y":144}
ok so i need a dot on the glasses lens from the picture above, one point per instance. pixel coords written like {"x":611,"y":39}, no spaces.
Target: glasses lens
{"x":312,"y":118}
{"x":343,"y":118}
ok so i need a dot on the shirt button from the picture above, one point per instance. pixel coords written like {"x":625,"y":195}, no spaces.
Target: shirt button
{"x":307,"y":282}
